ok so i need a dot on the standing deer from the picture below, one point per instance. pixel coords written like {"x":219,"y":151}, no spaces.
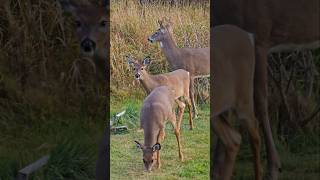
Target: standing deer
{"x":278,"y":26}
{"x":178,"y":80}
{"x":157,"y":109}
{"x":194,"y":60}
{"x":233,"y":64}
{"x":92,"y":29}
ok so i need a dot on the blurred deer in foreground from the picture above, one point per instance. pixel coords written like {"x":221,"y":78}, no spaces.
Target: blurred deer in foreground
{"x":194,"y":60}
{"x":276,"y":29}
{"x":157,"y":109}
{"x":178,"y":80}
{"x":92,"y":31}
{"x":233,"y":63}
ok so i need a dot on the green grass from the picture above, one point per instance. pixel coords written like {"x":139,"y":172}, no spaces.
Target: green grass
{"x":299,"y":156}
{"x":72,"y":143}
{"x":126,"y":159}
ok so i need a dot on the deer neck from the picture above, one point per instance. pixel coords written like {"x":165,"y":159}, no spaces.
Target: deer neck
{"x":150,"y":136}
{"x":148,"y":83}
{"x":169,"y":48}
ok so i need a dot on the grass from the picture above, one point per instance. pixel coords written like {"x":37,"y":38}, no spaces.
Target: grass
{"x":300,"y":158}
{"x":126,"y":159}
{"x":71,"y":142}
{"x":131,"y":24}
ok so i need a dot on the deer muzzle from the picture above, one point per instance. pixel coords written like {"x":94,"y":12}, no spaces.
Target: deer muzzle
{"x":151,"y":40}
{"x":137,"y":76}
{"x":88,"y":45}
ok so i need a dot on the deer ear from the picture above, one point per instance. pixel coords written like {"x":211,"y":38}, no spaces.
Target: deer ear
{"x":139,"y":146}
{"x":160,"y":23}
{"x":68,"y":6}
{"x":156,"y":147}
{"x":146,"y":61}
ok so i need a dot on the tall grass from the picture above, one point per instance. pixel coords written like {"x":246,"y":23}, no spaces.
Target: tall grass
{"x":131,"y":24}
{"x":42,"y":100}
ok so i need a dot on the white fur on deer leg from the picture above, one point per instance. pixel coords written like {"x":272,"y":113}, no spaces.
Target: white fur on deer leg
{"x":161,"y":45}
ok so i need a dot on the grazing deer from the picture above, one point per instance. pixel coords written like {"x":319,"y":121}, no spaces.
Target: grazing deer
{"x":278,"y":26}
{"x":194,"y":60}
{"x":92,"y":30}
{"x":157,"y":109}
{"x":178,"y":80}
{"x":233,"y":63}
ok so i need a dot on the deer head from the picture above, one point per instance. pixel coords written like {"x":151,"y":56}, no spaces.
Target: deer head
{"x":149,"y":154}
{"x":163,"y":32}
{"x":139,"y":68}
{"x":91,"y":27}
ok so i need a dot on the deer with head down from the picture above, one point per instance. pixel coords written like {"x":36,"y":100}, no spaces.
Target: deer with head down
{"x":194,"y":60}
{"x":233,"y":64}
{"x":157,"y":109}
{"x":178,"y":80}
{"x":278,"y":26}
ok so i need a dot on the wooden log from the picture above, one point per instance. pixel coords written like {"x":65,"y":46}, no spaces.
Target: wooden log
{"x":24,"y":173}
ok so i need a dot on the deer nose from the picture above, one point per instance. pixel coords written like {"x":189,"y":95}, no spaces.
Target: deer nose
{"x":150,"y":40}
{"x":137,"y":76}
{"x":88,"y":45}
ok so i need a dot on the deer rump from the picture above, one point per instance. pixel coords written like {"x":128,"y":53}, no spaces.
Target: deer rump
{"x":233,"y":68}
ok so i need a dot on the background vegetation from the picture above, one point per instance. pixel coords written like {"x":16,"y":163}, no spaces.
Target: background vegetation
{"x":49,"y":101}
{"x":131,"y":24}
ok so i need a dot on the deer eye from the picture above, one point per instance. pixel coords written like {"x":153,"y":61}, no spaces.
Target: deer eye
{"x":141,"y":68}
{"x":78,"y":23}
{"x":103,"y":23}
{"x":134,"y":68}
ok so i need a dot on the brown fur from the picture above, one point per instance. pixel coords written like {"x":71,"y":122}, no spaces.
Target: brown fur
{"x":278,"y":26}
{"x":233,"y":70}
{"x":194,"y":60}
{"x":157,"y":109}
{"x":90,"y":17}
{"x":178,"y":80}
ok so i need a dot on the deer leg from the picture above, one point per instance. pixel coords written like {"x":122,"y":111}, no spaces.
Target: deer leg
{"x":188,"y":101}
{"x":261,"y":105}
{"x":231,"y":140}
{"x":191,"y":92}
{"x":102,"y":169}
{"x":253,"y":129}
{"x":180,"y":113}
{"x":218,"y":159}
{"x":160,"y":139}
{"x":176,"y":127}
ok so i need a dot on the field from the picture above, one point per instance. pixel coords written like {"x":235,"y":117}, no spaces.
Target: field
{"x":50,"y":103}
{"x":131,"y":24}
{"x":126,"y":159}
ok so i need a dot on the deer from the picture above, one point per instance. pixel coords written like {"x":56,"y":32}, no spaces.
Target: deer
{"x":233,"y":65}
{"x":157,"y":109}
{"x":194,"y":60}
{"x":276,"y":29}
{"x":92,"y":30}
{"x":178,"y":80}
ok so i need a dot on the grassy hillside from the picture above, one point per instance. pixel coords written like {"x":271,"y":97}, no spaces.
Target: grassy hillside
{"x":131,"y":24}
